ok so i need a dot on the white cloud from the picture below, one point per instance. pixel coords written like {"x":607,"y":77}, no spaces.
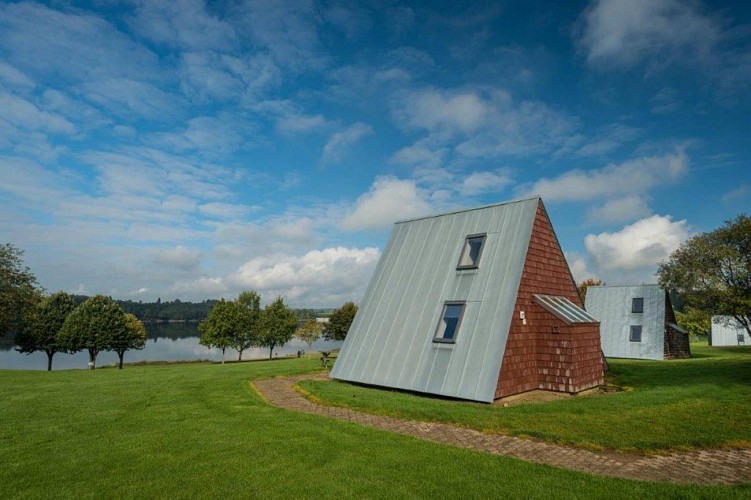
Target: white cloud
{"x":619,"y":33}
{"x":182,"y":23}
{"x":619,"y":210}
{"x":742,"y":192}
{"x":224,"y":210}
{"x":632,"y":176}
{"x":435,"y":110}
{"x":341,"y":141}
{"x":420,"y":153}
{"x":179,"y":257}
{"x":478,"y":124}
{"x":388,"y":200}
{"x":327,"y":276}
{"x":23,"y":114}
{"x":13,"y":76}
{"x":200,"y":287}
{"x":637,"y":247}
{"x":483,"y":182}
{"x":300,"y":123}
{"x":579,"y":267}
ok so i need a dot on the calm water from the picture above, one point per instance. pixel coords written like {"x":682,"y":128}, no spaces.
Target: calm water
{"x":167,"y":342}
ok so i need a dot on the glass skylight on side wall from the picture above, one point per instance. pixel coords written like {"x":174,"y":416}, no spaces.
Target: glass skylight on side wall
{"x":564,"y":309}
{"x":470,"y":258}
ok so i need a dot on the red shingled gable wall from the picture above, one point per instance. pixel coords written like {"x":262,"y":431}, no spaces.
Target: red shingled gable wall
{"x":535,"y":357}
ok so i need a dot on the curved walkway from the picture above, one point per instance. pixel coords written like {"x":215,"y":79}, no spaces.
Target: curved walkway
{"x":722,"y":466}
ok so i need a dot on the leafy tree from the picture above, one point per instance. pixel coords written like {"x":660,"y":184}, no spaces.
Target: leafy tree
{"x":582,"y":287}
{"x":339,"y":322}
{"x":92,"y":326}
{"x":249,"y":332}
{"x":309,"y":332}
{"x":221,"y":327}
{"x":132,"y":337}
{"x":695,"y":322}
{"x":278,"y":325}
{"x":18,"y":289}
{"x":44,"y":325}
{"x":712,"y":271}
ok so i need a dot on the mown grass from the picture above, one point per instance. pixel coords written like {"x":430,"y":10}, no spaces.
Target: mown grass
{"x":200,"y":431}
{"x":700,"y":402}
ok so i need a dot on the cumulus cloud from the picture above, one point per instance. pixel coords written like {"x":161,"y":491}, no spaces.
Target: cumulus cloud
{"x":639,"y":246}
{"x":479,"y":124}
{"x":327,"y":276}
{"x":341,"y":141}
{"x":619,"y":210}
{"x":454,"y":112}
{"x":388,"y":200}
{"x":632,"y":176}
{"x":579,"y":266}
{"x":624,"y":33}
{"x":483,"y":182}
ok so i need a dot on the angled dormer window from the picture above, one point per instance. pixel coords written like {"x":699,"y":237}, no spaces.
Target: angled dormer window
{"x":448,"y":326}
{"x":472,"y":252}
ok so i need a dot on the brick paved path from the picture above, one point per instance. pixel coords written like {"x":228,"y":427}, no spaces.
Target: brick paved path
{"x":724,"y":466}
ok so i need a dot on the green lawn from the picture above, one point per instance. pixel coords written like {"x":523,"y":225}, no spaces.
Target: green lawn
{"x":701,"y":402}
{"x":200,"y":431}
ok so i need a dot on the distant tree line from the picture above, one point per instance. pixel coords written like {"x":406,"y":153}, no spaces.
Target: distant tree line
{"x":71,"y":323}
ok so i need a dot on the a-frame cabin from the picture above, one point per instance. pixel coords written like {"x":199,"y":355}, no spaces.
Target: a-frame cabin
{"x":476,"y":304}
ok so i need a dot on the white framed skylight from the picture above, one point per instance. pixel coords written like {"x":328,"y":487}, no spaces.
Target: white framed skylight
{"x":472,"y":251}
{"x":451,"y":319}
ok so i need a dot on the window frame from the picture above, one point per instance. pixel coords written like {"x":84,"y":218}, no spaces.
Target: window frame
{"x":466,"y":249}
{"x":632,"y":329}
{"x":633,"y":305}
{"x":442,"y":340}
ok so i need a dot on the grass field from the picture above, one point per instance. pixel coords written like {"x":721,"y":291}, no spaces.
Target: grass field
{"x":200,"y":431}
{"x":700,"y":402}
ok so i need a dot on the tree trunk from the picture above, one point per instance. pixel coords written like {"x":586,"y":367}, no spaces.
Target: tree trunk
{"x":239,"y":354}
{"x":92,"y":359}
{"x":223,"y":348}
{"x":271,"y":350}
{"x":49,"y":360}
{"x":121,"y":355}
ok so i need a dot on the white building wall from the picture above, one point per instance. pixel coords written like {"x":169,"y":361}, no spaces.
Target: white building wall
{"x":611,"y":305}
{"x":727,"y":331}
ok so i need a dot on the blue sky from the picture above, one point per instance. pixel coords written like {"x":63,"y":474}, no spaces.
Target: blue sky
{"x":184,"y":150}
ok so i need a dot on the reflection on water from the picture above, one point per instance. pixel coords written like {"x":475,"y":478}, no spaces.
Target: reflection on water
{"x":167,"y":342}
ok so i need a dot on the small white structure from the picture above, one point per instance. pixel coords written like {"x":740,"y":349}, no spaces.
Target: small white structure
{"x":727,"y":331}
{"x":637,"y":321}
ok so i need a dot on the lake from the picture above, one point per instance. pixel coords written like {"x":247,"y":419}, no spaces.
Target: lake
{"x":167,"y":342}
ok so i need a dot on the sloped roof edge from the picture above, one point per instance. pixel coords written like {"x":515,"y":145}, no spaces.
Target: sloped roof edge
{"x":468,"y":209}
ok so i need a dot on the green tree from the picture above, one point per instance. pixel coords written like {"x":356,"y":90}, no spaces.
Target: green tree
{"x":309,"y":332}
{"x":44,"y":325}
{"x":132,"y":337}
{"x":695,"y":322}
{"x":249,"y":332}
{"x":712,"y":271}
{"x":278,"y":325}
{"x":582,"y":287}
{"x":18,"y":289}
{"x":339,"y":322}
{"x":92,"y":326}
{"x":222,"y":326}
